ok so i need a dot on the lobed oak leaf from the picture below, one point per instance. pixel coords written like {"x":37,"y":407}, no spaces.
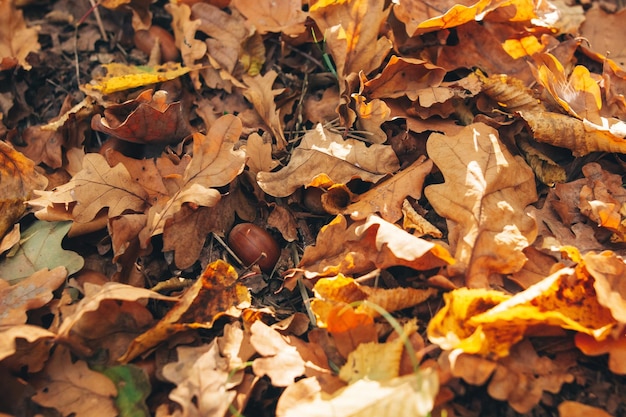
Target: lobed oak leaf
{"x":483,"y":200}
{"x":214,"y":164}
{"x":201,"y":376}
{"x":18,"y":180}
{"x":16,"y":39}
{"x":261,"y":95}
{"x":614,"y":346}
{"x":404,"y":77}
{"x":370,"y":115}
{"x":259,"y":154}
{"x":73,"y":388}
{"x":607,"y":269}
{"x":191,"y":49}
{"x":285,"y":16}
{"x":322,"y":151}
{"x":216,"y":293}
{"x":24,"y":346}
{"x":147,"y":119}
{"x":421,"y":17}
{"x":279,"y":360}
{"x":29,"y":294}
{"x":387,"y":198}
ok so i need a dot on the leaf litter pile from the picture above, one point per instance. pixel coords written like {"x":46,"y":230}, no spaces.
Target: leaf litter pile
{"x":337,"y":208}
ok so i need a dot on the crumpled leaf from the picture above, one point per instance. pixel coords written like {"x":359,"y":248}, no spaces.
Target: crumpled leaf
{"x":147,"y":119}
{"x":201,"y":376}
{"x":73,"y":388}
{"x":489,"y":322}
{"x":279,"y":360}
{"x":123,"y":306}
{"x":483,"y":200}
{"x":615,"y":346}
{"x":215,"y":293}
{"x":120,"y":77}
{"x":576,"y":409}
{"x":18,"y":179}
{"x":520,"y":378}
{"x":24,"y":347}
{"x":420,"y":17}
{"x":39,"y":248}
{"x":601,"y":40}
{"x":407,"y":396}
{"x":325,"y":158}
{"x":29,"y":294}
{"x":366,"y":245}
{"x":607,"y":269}
{"x":388,"y":197}
{"x":16,"y":39}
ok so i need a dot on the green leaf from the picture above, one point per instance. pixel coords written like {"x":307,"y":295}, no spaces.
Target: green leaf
{"x":39,"y":248}
{"x":133,"y":387}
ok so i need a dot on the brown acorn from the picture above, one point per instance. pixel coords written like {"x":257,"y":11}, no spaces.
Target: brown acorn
{"x":254,"y":245}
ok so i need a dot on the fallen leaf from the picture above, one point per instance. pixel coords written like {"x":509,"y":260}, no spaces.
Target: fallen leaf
{"x":615,"y":346}
{"x":16,"y":39}
{"x":261,"y":95}
{"x":601,"y":40}
{"x":576,"y":409}
{"x":24,"y":347}
{"x":483,"y":200}
{"x":325,"y":156}
{"x":18,"y":179}
{"x":133,"y":388}
{"x":216,"y":293}
{"x":72,"y":388}
{"x":267,"y":16}
{"x":407,"y":396}
{"x":40,"y":248}
{"x":420,"y":17}
{"x":148,"y":119}
{"x":280,"y":361}
{"x":29,"y":294}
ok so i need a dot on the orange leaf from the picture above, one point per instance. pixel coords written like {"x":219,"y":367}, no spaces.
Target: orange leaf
{"x":284,"y":16}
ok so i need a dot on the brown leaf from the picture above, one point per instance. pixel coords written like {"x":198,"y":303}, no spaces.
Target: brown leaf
{"x":607,"y":269}
{"x":285,"y":16}
{"x":420,"y":17}
{"x":148,"y":119}
{"x":216,"y":293}
{"x":326,"y":156}
{"x":16,"y":39}
{"x":73,"y":388}
{"x":483,"y":200}
{"x":24,"y":347}
{"x":29,"y":294}
{"x":576,"y":409}
{"x":366,"y":245}
{"x":279,"y":360}
{"x":261,"y":95}
{"x":18,"y":179}
{"x":387,"y":197}
{"x":601,"y":40}
{"x":615,"y":346}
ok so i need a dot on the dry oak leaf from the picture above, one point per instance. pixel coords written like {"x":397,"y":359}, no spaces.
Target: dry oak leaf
{"x":421,"y":17}
{"x":29,"y":294}
{"x":576,"y":409}
{"x":490,"y":322}
{"x":259,"y":154}
{"x":18,"y":180}
{"x":483,"y":199}
{"x":606,"y":41}
{"x":126,"y":301}
{"x":325,"y":157}
{"x":147,"y":119}
{"x":366,"y":245}
{"x":387,"y":197}
{"x":24,"y":347}
{"x":95,"y":187}
{"x":16,"y":39}
{"x":351,"y":30}
{"x":520,"y":378}
{"x":279,"y":360}
{"x":261,"y":95}
{"x":370,"y":115}
{"x":214,"y":294}
{"x":283,"y":16}
{"x":608,"y":271}
{"x":614,"y":346}
{"x":214,"y":164}
{"x":201,"y":376}
{"x":411,"y":395}
{"x":191,"y":49}
{"x":142,"y":17}
{"x":73,"y":388}
{"x":404,"y":77}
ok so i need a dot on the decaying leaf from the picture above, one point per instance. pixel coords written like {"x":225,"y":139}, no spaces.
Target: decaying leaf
{"x":216,"y":293}
{"x":285,"y":16}
{"x":16,"y":39}
{"x":261,"y":95}
{"x":24,"y":346}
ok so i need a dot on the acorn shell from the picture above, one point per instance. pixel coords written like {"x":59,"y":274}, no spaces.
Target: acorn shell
{"x":253,"y":244}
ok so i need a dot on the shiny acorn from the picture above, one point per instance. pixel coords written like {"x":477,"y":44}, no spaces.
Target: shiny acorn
{"x":254,"y":245}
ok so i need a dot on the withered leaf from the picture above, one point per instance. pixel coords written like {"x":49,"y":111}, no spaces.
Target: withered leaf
{"x":16,"y":39}
{"x":483,"y":200}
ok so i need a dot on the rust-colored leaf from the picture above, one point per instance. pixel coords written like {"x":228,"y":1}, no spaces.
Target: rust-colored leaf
{"x":16,"y":39}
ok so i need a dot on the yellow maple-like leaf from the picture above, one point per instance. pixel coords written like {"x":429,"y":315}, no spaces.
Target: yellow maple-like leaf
{"x":483,"y":200}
